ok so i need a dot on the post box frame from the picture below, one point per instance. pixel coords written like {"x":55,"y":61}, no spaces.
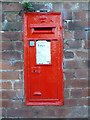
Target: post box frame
{"x":60,"y":100}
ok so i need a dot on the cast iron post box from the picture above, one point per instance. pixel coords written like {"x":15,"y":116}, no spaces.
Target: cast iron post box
{"x":43,"y":58}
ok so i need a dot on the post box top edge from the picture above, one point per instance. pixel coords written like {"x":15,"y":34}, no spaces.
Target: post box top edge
{"x":43,"y":13}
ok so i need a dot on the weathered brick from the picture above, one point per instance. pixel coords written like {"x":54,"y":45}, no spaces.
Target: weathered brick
{"x":19,"y":46}
{"x":70,"y":64}
{"x":79,"y":83}
{"x":82,"y":54}
{"x":41,"y":5}
{"x":12,"y":75}
{"x":71,"y":102}
{"x":19,"y":94}
{"x":88,"y":34}
{"x":78,"y":25}
{"x":8,"y":94}
{"x":80,"y":15}
{"x":12,"y":26}
{"x":62,"y":112}
{"x":80,"y":35}
{"x":11,"y":17}
{"x":7,"y":45}
{"x":66,"y":93}
{"x":87,"y":44}
{"x":82,"y":102}
{"x":68,"y":35}
{"x":7,"y":103}
{"x":6,"y":85}
{"x":11,"y":65}
{"x":82,"y":73}
{"x":58,"y":6}
{"x":85,"y":92}
{"x":11,"y":35}
{"x":12,"y":104}
{"x":75,"y":6}
{"x":40,"y":112}
{"x":78,"y":112}
{"x":68,"y":54}
{"x":18,"y":85}
{"x":11,"y":55}
{"x":65,"y":25}
{"x":67,"y":83}
{"x":11,"y":1}
{"x":11,"y":7}
{"x":12,"y":94}
{"x":19,"y":113}
{"x":69,"y":74}
{"x":84,"y":64}
{"x":76,"y":93}
{"x":67,"y":15}
{"x":73,"y":44}
{"x":4,"y":113}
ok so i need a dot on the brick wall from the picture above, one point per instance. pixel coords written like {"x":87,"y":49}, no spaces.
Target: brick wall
{"x":75,"y":39}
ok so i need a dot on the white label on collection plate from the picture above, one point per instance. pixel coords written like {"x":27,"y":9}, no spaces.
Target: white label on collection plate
{"x":43,"y":52}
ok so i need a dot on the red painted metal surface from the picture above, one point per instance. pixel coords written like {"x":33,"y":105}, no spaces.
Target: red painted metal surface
{"x":43,"y":77}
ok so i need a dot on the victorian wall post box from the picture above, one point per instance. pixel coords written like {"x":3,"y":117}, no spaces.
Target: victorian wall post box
{"x":43,"y":58}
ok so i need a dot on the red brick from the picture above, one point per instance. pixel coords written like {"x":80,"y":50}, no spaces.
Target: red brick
{"x":11,"y":7}
{"x":12,"y":104}
{"x":82,"y":102}
{"x":7,"y":103}
{"x":76,"y":93}
{"x":19,"y":46}
{"x":10,"y":75}
{"x":6,"y":65}
{"x":11,"y":55}
{"x":8,"y":94}
{"x":70,"y":102}
{"x":82,"y":73}
{"x":7,"y":45}
{"x":6,"y":85}
{"x":79,"y":83}
{"x":11,"y":35}
{"x":86,"y":92}
{"x":82,"y":54}
{"x":67,"y":83}
{"x":87,"y":44}
{"x":69,"y":74}
{"x":70,"y":64}
{"x":18,"y":85}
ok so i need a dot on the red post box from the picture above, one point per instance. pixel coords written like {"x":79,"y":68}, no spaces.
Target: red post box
{"x":43,"y":58}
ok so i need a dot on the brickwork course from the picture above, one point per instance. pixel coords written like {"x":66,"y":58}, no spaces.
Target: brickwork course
{"x":76,"y":42}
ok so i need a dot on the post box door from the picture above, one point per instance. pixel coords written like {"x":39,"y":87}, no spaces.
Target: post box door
{"x":43,"y":70}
